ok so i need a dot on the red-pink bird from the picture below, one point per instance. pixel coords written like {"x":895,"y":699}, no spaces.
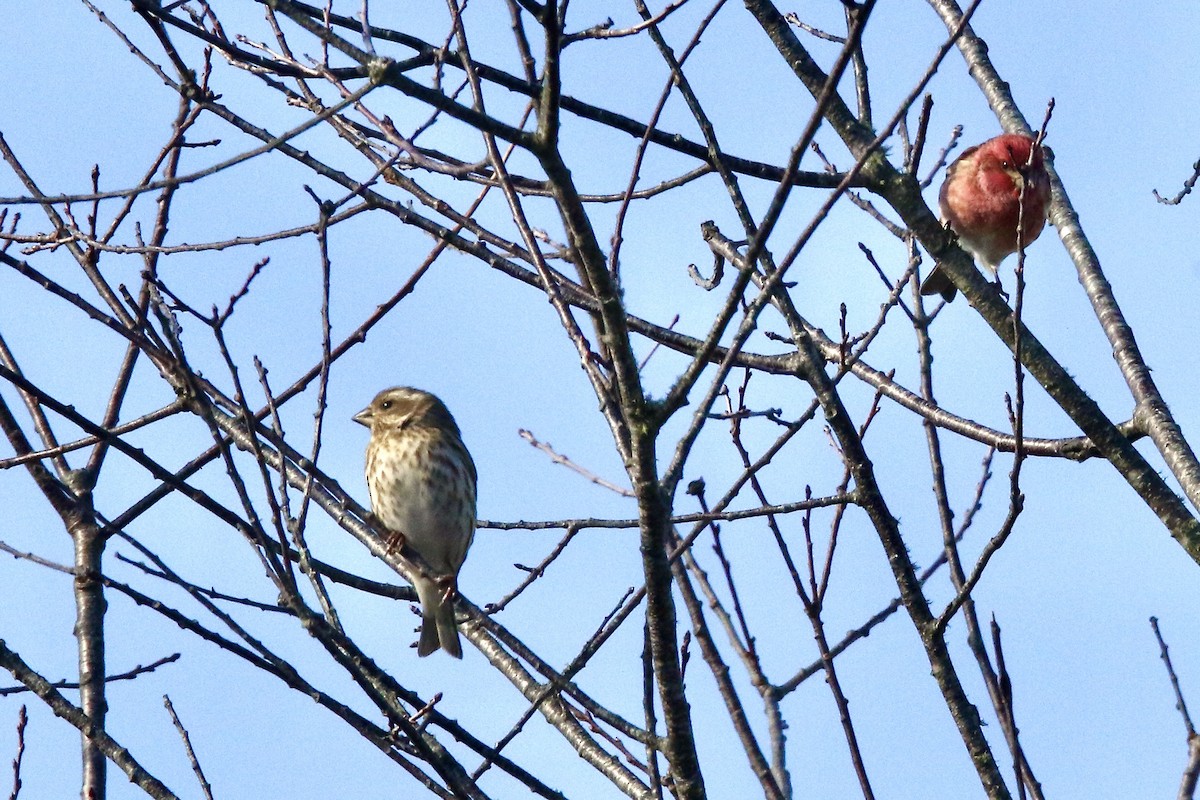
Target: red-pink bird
{"x":981,"y":202}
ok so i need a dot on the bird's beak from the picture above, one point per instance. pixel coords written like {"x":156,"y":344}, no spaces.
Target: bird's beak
{"x":364,"y":417}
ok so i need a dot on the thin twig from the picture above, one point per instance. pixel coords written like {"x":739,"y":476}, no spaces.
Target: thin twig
{"x":205,"y":786}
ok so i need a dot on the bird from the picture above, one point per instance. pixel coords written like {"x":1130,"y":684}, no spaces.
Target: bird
{"x":422,"y":483}
{"x":981,"y":199}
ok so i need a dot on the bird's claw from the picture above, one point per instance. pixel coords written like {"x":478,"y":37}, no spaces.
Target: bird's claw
{"x":448,"y":586}
{"x":395,"y":540}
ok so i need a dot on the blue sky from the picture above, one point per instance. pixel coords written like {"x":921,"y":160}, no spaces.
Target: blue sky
{"x":1073,"y":589}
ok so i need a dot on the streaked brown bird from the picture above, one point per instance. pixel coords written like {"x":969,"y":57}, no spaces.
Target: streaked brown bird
{"x":981,"y":201}
{"x":422,"y":484}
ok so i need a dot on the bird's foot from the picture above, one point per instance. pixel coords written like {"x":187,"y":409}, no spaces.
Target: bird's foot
{"x":449,"y":587}
{"x":395,"y":540}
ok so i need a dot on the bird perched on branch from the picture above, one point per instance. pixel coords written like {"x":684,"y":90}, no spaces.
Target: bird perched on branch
{"x":981,"y":201}
{"x":422,"y":484}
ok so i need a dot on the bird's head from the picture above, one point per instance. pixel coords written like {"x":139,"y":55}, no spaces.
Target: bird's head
{"x":1015,"y":155}
{"x":402,"y":406}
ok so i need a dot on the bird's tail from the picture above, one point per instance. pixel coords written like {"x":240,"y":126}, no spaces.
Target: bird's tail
{"x":939,"y":282}
{"x":438,"y":628}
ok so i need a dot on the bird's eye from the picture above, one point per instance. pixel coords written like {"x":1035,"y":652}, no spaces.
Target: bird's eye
{"x":386,"y":404}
